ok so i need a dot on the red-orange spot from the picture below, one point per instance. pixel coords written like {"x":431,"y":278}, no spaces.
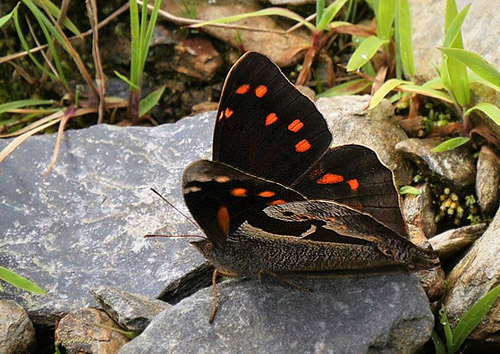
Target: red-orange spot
{"x":271,"y":118}
{"x":222,"y":179}
{"x":266,"y":194}
{"x":223,"y":219}
{"x":260,"y":91}
{"x":228,"y":112}
{"x":330,"y":178}
{"x":277,"y":202}
{"x":354,"y":184}
{"x":295,"y":126}
{"x":243,"y":89}
{"x":302,"y":146}
{"x":221,"y":115}
{"x":239,"y":192}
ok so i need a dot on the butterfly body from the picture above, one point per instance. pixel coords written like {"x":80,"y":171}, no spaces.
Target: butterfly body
{"x":276,"y":198}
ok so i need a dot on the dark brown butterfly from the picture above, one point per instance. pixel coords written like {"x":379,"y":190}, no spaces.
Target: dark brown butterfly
{"x":276,"y":199}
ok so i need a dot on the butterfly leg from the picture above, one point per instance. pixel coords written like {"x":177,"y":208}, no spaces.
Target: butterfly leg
{"x":283,"y":279}
{"x":214,"y":286}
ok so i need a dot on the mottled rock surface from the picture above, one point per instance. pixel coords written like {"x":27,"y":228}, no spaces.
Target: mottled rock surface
{"x":87,"y":331}
{"x":419,"y":211}
{"x":456,"y":166}
{"x":17,"y":334}
{"x":382,"y":314}
{"x":83,"y":225}
{"x":476,"y":274}
{"x":488,"y":180}
{"x":451,"y":242}
{"x":131,"y":311}
{"x":351,"y":123}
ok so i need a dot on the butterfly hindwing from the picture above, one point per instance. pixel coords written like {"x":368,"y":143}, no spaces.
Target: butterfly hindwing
{"x":353,"y":175}
{"x":264,"y":125}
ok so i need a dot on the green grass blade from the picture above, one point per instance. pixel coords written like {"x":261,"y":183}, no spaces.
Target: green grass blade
{"x":386,"y":87}
{"x":490,"y":110}
{"x":55,"y":11}
{"x":450,"y":14}
{"x":404,"y":38}
{"x":22,"y":283}
{"x":320,"y":7}
{"x":451,"y":144}
{"x":385,"y":18}
{"x":409,"y":190}
{"x":23,"y":103}
{"x":347,"y":88}
{"x":425,"y":91}
{"x":476,"y":63}
{"x":124,"y":78}
{"x":271,"y":11}
{"x":438,"y":343}
{"x":459,"y":81}
{"x":330,"y":12}
{"x":135,"y":46}
{"x":443,"y":319}
{"x":455,"y":27}
{"x":149,"y":34}
{"x":6,"y":18}
{"x":148,"y":102}
{"x":365,"y":52}
{"x":475,"y":78}
{"x":473,"y":317}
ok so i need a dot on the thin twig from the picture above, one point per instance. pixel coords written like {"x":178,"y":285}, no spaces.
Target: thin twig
{"x":96,"y":55}
{"x":84,"y":34}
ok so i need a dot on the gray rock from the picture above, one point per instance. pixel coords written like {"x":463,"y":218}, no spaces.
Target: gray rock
{"x":379,"y":314}
{"x":350,"y":123}
{"x":488,"y":180}
{"x":451,"y":242}
{"x":419,"y":211}
{"x":89,"y":331}
{"x":133,"y":312}
{"x":17,"y":334}
{"x":456,"y":166}
{"x":82,"y":226}
{"x":476,"y":274}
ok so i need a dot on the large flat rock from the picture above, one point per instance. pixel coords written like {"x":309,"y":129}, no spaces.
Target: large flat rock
{"x":379,"y":314}
{"x":83,"y":225}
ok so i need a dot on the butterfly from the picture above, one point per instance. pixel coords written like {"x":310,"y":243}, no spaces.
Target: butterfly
{"x":276,"y":199}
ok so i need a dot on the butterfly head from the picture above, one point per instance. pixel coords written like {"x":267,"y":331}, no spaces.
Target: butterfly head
{"x":205,"y":247}
{"x":413,"y":257}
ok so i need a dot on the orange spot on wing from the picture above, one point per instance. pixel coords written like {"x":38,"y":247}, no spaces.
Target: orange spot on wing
{"x":266,"y":194}
{"x":295,"y":126}
{"x":243,"y":89}
{"x":330,"y":178}
{"x":223,"y":219}
{"x":228,"y":112}
{"x":239,"y":192}
{"x":277,"y":202}
{"x":260,"y":91}
{"x":222,"y":179}
{"x":302,"y":146}
{"x":271,"y":118}
{"x":221,"y":115}
{"x":354,"y":184}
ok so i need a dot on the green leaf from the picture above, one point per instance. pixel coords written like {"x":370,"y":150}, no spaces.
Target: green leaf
{"x":425,"y":91}
{"x":404,"y":37}
{"x":455,"y":27}
{"x":386,"y":87}
{"x":474,"y":78}
{"x":347,"y":88}
{"x":22,"y":283}
{"x":473,"y":317}
{"x":330,"y":12}
{"x":55,"y":11}
{"x":451,"y":144}
{"x":450,"y":14}
{"x":443,"y":319}
{"x":459,"y":80}
{"x":476,"y":63}
{"x":23,"y":103}
{"x":385,"y":18}
{"x":6,"y":18}
{"x":409,"y":190}
{"x":438,"y":343}
{"x":490,"y":110}
{"x":365,"y":52}
{"x":270,"y":11}
{"x":148,"y":102}
{"x":124,"y":78}
{"x":320,"y":7}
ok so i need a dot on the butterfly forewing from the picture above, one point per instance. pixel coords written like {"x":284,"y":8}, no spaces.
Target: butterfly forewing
{"x":353,"y":175}
{"x":265,"y":126}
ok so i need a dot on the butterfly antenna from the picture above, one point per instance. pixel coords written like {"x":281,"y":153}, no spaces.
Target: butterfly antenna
{"x":173,"y":236}
{"x":173,"y":206}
